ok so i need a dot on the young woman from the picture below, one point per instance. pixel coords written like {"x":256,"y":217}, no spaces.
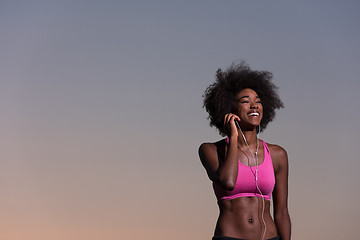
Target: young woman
{"x":246,"y":171}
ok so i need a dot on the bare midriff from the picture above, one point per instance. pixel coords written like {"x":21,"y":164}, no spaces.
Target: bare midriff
{"x":242,"y":218}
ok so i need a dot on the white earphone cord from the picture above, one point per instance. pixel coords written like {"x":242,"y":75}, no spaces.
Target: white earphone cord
{"x":256,"y":177}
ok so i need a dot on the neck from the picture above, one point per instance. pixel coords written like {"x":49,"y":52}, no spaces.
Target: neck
{"x":251,"y":138}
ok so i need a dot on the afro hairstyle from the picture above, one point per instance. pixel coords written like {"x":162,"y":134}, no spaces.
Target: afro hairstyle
{"x":219,"y":96}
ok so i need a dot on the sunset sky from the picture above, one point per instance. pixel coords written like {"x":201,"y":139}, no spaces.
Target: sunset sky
{"x":101,"y":113}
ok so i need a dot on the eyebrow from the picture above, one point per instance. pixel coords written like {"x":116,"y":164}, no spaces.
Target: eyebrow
{"x":247,"y":97}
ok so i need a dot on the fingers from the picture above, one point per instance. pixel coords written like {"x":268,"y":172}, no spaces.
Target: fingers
{"x":230,"y":117}
{"x":227,"y":119}
{"x":229,"y":123}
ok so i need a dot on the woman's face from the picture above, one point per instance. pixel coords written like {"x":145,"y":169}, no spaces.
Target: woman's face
{"x":248,"y":107}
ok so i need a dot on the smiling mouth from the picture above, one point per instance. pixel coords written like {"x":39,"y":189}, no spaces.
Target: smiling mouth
{"x":254,"y":114}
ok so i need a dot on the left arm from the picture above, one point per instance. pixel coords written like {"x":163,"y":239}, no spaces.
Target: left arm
{"x":280,"y":193}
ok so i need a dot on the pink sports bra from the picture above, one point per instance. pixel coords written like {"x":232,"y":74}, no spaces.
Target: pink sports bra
{"x":245,"y":184}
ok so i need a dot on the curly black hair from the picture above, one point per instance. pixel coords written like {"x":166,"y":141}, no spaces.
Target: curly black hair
{"x":219,"y":96}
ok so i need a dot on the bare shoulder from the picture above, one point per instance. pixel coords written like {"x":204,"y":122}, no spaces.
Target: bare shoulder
{"x":210,"y":155}
{"x":278,"y":155}
{"x":277,"y":151}
{"x":208,"y":148}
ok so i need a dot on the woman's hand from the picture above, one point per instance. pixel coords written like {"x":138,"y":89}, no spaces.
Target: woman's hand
{"x":230,"y":126}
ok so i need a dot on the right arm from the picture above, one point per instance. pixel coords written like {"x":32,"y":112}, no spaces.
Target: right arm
{"x":222,"y":172}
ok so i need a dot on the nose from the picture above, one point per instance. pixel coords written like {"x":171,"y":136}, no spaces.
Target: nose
{"x":254,"y":105}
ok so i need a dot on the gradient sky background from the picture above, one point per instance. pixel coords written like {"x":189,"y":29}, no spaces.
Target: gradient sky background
{"x":101,"y":113}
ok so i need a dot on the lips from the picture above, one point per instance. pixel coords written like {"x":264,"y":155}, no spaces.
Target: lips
{"x":254,"y":114}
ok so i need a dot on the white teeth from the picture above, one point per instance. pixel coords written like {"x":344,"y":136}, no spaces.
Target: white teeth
{"x":254,"y":114}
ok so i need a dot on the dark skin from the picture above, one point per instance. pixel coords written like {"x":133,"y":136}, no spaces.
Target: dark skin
{"x":241,"y":217}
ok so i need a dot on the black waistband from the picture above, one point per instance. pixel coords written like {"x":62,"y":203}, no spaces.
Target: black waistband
{"x":231,"y":238}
